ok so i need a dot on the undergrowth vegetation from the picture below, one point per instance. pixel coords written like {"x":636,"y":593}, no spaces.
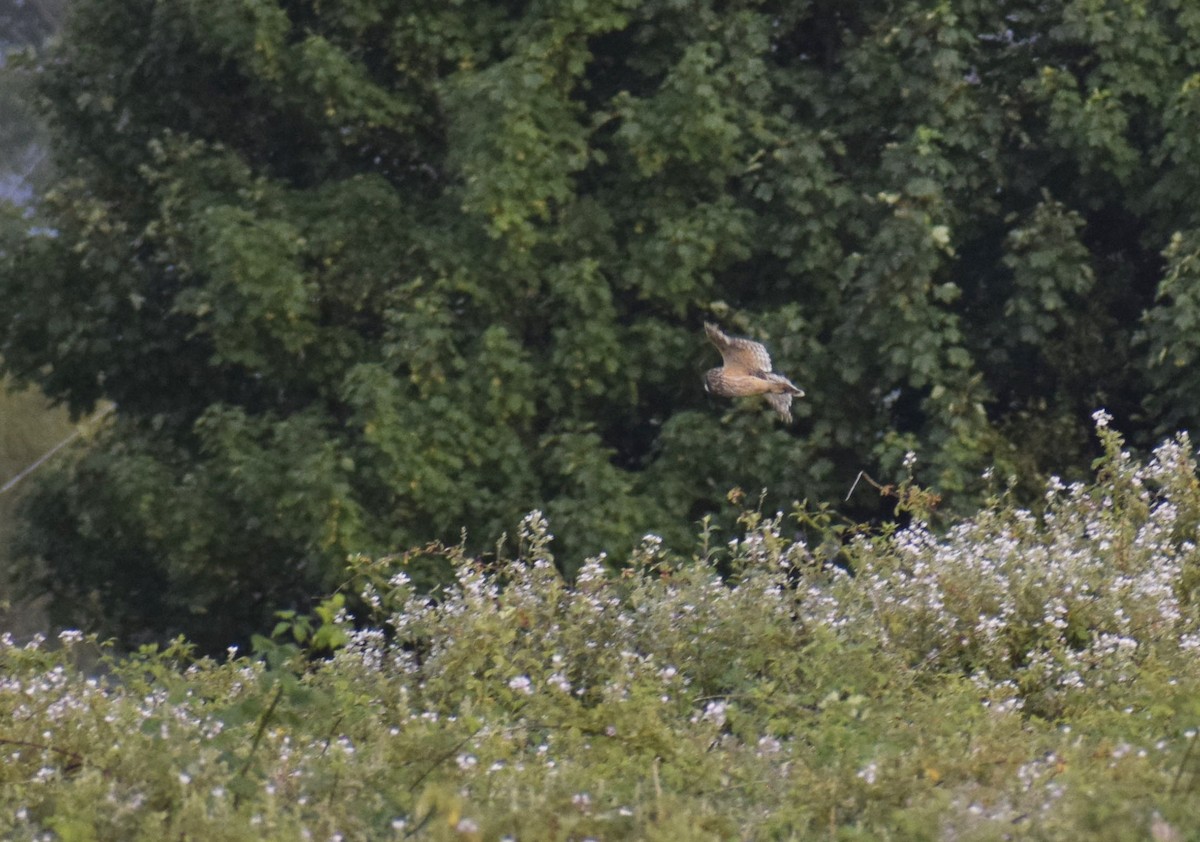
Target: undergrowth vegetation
{"x":1024,"y":674}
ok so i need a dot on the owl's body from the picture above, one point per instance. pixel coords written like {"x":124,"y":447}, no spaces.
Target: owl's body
{"x":747,"y":371}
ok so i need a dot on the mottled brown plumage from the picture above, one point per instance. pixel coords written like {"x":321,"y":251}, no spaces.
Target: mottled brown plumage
{"x":747,"y":371}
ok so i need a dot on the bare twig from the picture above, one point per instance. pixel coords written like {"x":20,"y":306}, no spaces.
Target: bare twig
{"x":41,"y":460}
{"x":884,"y":490}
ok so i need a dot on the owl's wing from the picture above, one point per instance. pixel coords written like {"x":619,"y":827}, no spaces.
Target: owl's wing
{"x":782,"y":404}
{"x":739,"y":353}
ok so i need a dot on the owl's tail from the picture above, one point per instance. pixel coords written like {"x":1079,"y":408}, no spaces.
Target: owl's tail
{"x":784,"y":386}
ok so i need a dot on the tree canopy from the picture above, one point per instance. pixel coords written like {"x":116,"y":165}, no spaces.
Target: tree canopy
{"x":363,"y":275}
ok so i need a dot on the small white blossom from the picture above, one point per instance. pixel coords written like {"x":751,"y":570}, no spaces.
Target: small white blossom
{"x":466,"y":826}
{"x":715,"y":712}
{"x":769,"y":745}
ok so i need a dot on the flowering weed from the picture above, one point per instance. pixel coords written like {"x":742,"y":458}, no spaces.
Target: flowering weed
{"x":1022,"y":675}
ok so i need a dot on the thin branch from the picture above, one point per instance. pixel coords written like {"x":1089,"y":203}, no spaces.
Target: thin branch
{"x":41,"y":460}
{"x":884,"y":490}
{"x":76,"y":759}
{"x":1183,"y":764}
{"x":263,"y":721}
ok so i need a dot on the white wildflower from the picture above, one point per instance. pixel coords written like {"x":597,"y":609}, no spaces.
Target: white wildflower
{"x":467,"y":826}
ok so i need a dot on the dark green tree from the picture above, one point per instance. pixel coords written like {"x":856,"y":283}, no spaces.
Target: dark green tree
{"x":360,"y":275}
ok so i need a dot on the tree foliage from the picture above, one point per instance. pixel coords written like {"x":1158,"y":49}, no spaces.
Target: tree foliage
{"x":360,"y":275}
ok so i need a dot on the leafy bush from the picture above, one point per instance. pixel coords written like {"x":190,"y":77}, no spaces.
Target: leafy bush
{"x":1027,"y":675}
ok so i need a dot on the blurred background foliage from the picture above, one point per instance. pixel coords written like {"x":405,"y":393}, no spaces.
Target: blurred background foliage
{"x":28,"y":425}
{"x":25,"y":25}
{"x":363,"y":275}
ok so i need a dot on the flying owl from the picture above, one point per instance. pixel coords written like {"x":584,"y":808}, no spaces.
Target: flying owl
{"x":747,"y":371}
